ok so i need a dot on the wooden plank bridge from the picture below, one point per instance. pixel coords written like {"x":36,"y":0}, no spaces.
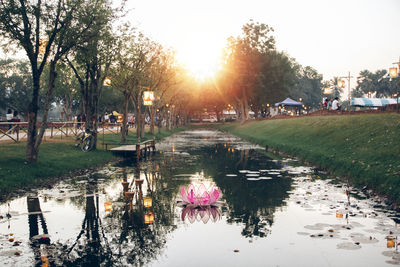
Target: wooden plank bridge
{"x":138,"y":150}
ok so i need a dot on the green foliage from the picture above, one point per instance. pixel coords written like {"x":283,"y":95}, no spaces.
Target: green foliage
{"x":361,"y":147}
{"x":255,"y":73}
{"x":308,"y":86}
{"x":375,"y":83}
{"x":15,"y":85}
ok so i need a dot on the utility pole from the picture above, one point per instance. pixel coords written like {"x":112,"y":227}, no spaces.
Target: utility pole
{"x":394,"y":73}
{"x":348,"y":82}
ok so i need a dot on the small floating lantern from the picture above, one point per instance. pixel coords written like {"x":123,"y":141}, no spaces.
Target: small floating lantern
{"x":149,"y":217}
{"x":107,"y":205}
{"x":390,"y":242}
{"x":339,"y":215}
{"x":147,"y":202}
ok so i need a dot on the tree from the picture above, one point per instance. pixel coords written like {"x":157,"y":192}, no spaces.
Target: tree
{"x":369,"y":83}
{"x":243,"y":61}
{"x":135,"y":55}
{"x":46,"y":30}
{"x":276,"y":79}
{"x":92,"y":61}
{"x":15,"y":85}
{"x":66,"y":90}
{"x":308,"y":86}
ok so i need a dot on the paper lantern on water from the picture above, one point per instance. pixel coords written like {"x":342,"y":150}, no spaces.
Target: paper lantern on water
{"x":147,"y":202}
{"x":390,"y":242}
{"x":339,"y":215}
{"x":149,"y":217}
{"x":107,"y":205}
{"x":11,"y":237}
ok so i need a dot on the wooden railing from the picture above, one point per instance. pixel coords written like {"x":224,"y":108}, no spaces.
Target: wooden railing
{"x":18,"y":131}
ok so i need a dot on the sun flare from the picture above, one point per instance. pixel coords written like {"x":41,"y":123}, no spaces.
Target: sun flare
{"x":201,"y":61}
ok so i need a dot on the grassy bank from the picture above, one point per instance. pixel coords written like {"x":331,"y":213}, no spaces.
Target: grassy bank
{"x":56,"y":158}
{"x":364,"y":148}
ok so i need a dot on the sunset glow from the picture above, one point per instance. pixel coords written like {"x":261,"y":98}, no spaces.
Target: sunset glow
{"x":200,"y":59}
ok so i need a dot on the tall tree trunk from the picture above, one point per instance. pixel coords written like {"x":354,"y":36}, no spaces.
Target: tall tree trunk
{"x":49,"y":93}
{"x":245,"y":104}
{"x":33,"y":107}
{"x":95,"y":114}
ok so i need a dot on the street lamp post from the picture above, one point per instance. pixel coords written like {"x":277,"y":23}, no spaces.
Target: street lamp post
{"x":341,"y":84}
{"x":394,"y":73}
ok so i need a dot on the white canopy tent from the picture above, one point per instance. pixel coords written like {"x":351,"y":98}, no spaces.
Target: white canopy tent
{"x":372,"y":102}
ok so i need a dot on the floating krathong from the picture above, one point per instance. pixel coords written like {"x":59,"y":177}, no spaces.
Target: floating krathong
{"x":203,"y":214}
{"x":199,"y":195}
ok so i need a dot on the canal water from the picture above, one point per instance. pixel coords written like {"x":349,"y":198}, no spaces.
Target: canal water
{"x":272,"y":212}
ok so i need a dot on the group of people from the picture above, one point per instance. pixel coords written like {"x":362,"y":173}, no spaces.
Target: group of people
{"x":331,"y":105}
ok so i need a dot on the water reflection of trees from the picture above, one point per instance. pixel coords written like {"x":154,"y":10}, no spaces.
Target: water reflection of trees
{"x":122,"y":237}
{"x":251,"y":203}
{"x":138,"y":242}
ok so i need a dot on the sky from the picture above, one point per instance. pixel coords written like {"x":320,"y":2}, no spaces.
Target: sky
{"x":334,"y":37}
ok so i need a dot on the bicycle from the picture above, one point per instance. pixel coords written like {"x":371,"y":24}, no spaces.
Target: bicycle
{"x":85,"y":140}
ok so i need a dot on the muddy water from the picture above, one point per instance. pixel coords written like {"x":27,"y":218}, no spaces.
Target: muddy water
{"x":273,"y":212}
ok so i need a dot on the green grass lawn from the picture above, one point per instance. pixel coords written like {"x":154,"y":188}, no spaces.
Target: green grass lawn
{"x":56,"y":158}
{"x":365,"y":148}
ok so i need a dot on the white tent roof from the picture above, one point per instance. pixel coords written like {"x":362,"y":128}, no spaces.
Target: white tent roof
{"x":372,"y":102}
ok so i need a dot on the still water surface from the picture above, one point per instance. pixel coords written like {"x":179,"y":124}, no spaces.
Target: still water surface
{"x":273,"y":212}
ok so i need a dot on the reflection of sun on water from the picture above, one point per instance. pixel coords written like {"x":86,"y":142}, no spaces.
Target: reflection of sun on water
{"x":201,"y":60}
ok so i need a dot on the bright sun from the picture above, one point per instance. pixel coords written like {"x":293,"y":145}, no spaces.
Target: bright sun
{"x":201,"y":60}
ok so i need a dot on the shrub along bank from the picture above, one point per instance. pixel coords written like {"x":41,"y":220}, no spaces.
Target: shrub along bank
{"x":56,"y":158}
{"x":363,"y":148}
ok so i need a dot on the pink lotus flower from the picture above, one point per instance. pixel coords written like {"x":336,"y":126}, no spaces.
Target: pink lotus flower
{"x":199,"y":195}
{"x":203,"y":214}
